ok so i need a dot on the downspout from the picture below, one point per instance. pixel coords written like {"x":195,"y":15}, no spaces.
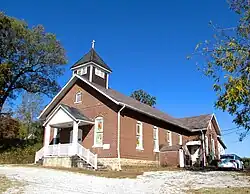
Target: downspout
{"x":118,"y":136}
{"x":203,"y":149}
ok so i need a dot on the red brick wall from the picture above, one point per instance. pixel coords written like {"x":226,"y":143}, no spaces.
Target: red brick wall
{"x":128,"y":140}
{"x":93,"y":106}
{"x":211,"y":132}
{"x":169,"y":158}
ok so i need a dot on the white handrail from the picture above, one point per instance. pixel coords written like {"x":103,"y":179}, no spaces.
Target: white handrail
{"x":39,"y":154}
{"x":68,"y":150}
{"x":87,"y":155}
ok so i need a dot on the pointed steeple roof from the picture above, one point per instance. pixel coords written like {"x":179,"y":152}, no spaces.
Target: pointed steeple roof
{"x":92,"y":56}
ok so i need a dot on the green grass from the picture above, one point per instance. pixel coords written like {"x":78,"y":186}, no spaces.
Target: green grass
{"x":228,"y":190}
{"x":6,"y":183}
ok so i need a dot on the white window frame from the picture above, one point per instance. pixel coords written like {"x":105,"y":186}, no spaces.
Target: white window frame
{"x":169,"y":138}
{"x":99,"y":73}
{"x":156,"y":138}
{"x":96,"y":131}
{"x":81,"y":71}
{"x":76,"y":97}
{"x":140,"y":135}
{"x":180,"y":139}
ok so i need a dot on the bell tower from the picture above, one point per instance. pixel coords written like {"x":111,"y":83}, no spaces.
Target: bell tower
{"x":93,"y":68}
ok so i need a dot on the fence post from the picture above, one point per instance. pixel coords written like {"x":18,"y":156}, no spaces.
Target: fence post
{"x":95,"y":161}
{"x":88,"y":152}
{"x":58,"y":149}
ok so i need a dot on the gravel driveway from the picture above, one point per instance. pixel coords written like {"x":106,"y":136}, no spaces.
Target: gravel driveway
{"x":40,"y":180}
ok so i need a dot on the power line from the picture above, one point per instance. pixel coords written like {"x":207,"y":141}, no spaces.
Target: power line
{"x":233,"y":131}
{"x":229,"y":129}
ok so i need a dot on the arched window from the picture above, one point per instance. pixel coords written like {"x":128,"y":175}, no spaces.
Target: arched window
{"x":98,"y":132}
{"x":78,"y":97}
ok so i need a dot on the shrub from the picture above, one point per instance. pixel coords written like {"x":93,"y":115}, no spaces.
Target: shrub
{"x":20,"y":155}
{"x":246,"y":162}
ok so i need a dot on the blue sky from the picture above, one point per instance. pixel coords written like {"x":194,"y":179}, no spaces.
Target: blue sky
{"x":145,"y":43}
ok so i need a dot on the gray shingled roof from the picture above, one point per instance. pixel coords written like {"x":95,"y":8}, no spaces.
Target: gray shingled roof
{"x":196,"y":122}
{"x":75,"y":113}
{"x":92,"y":56}
{"x":144,"y":108}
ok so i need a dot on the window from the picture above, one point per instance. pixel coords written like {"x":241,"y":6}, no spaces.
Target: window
{"x":78,"y":97}
{"x":139,"y":144}
{"x":156,"y":139}
{"x":206,"y":145}
{"x":82,"y":71}
{"x":169,"y":138}
{"x":180,"y":139}
{"x":98,"y":135}
{"x":100,"y":73}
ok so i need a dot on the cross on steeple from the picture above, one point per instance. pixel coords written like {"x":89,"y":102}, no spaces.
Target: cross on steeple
{"x":93,"y":44}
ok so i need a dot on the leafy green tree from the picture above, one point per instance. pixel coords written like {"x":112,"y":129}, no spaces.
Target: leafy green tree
{"x":227,"y":63}
{"x":30,"y":59}
{"x":144,"y":97}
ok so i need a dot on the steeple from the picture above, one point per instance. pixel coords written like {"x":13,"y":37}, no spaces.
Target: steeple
{"x":92,"y":67}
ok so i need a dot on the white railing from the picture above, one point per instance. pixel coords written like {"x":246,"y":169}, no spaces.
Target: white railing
{"x":87,"y":155}
{"x":39,"y":154}
{"x":68,"y":150}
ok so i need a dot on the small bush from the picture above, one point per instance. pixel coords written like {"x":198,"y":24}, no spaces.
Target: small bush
{"x":20,"y":155}
{"x":246,"y":162}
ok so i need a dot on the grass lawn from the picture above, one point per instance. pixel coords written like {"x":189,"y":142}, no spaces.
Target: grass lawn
{"x":6,"y":183}
{"x":228,"y":190}
{"x":127,"y":171}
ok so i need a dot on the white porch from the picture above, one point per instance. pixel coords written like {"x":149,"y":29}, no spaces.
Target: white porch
{"x":62,"y":118}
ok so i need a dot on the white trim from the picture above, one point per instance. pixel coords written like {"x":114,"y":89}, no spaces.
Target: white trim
{"x":90,"y":63}
{"x":157,"y":138}
{"x":95,"y":131}
{"x":180,"y":139}
{"x":65,"y":86}
{"x":140,"y":147}
{"x":84,"y":121}
{"x":55,"y":111}
{"x":169,"y":138}
{"x":100,"y":73}
{"x":113,"y":100}
{"x":217,"y":123}
{"x":77,"y":93}
{"x":68,"y":86}
{"x":194,"y":143}
{"x":119,"y":136}
{"x":107,"y":81}
{"x":91,"y":73}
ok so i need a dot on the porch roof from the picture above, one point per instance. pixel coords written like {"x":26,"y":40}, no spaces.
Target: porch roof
{"x":74,"y":112}
{"x":64,"y":115}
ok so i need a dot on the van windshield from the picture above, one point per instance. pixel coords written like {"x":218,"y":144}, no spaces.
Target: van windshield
{"x":230,"y":157}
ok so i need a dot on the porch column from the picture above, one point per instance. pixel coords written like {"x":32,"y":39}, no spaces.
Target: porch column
{"x":54,"y":136}
{"x":75,"y":136}
{"x":46,"y":139}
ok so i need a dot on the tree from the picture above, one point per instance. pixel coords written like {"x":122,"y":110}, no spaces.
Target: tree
{"x":9,"y":127}
{"x":144,"y":97}
{"x":30,"y":59}
{"x":227,"y":62}
{"x":27,"y":113}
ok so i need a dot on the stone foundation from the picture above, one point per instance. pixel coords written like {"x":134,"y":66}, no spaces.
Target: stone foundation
{"x":65,"y":162}
{"x":114,"y":165}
